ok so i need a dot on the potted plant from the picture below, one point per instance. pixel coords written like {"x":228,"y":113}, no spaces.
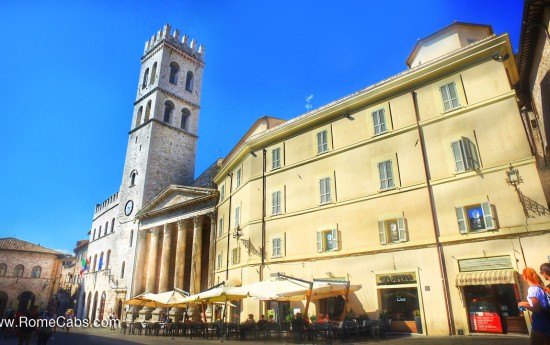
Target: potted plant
{"x":313,"y":318}
{"x":417,"y":321}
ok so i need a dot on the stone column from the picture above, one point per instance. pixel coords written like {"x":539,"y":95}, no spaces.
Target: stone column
{"x":195,"y":285}
{"x":165,"y":259}
{"x":152,"y":265}
{"x":212,"y":249}
{"x":140,"y":263}
{"x":180,"y":254}
{"x":138,"y":286}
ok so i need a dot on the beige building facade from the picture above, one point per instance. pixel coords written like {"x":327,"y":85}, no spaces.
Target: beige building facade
{"x":29,"y":275}
{"x":421,"y":188}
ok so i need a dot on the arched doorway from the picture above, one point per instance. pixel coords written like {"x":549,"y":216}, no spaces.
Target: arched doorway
{"x":119,"y":309}
{"x":94,"y":307}
{"x":25,"y":301}
{"x":3,"y":302}
{"x":102,"y":305}
{"x":88,"y":305}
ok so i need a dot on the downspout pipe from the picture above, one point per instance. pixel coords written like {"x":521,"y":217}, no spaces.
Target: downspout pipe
{"x":440,"y":255}
{"x":264,"y":204}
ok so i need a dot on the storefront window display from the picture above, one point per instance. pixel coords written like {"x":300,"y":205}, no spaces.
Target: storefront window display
{"x":333,"y":306}
{"x":400,"y":303}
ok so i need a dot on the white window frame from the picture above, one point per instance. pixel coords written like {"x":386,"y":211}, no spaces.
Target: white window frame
{"x":237,"y":216}
{"x":220,"y":227}
{"x":276,"y":158}
{"x":324,"y":190}
{"x":379,"y":121}
{"x":393,"y":230}
{"x":219,"y":261}
{"x":322,"y":141}
{"x":238,"y":182}
{"x":276,"y":248}
{"x":236,"y":256}
{"x":464,"y":155}
{"x":276,"y":203}
{"x":469,"y":225}
{"x":323,"y":240}
{"x":385,"y":172}
{"x":450,"y":101}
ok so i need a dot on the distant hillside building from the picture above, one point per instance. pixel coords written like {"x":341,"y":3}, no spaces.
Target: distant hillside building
{"x":28,"y":275}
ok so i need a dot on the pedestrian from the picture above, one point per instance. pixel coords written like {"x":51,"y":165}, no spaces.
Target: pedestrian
{"x":538,"y":304}
{"x":27,"y":325}
{"x":545,"y":272}
{"x":112,"y":319}
{"x":47,"y":326}
{"x":69,"y":320}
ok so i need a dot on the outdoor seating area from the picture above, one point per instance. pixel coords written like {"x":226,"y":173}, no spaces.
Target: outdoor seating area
{"x":314,"y":333}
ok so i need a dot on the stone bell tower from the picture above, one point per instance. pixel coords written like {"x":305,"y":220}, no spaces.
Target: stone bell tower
{"x":163,"y":136}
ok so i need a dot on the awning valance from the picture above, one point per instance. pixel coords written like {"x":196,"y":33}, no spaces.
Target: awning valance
{"x":486,"y":277}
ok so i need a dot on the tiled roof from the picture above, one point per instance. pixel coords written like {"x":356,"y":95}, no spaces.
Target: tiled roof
{"x":11,"y":243}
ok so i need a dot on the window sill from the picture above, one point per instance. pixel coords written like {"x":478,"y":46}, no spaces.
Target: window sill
{"x":451,"y":110}
{"x":325,"y":203}
{"x":277,"y":257}
{"x":322,"y":153}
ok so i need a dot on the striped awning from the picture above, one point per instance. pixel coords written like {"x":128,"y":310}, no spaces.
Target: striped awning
{"x":486,"y":277}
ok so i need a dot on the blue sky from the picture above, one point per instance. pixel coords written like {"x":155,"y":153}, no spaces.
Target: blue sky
{"x":70,"y":73}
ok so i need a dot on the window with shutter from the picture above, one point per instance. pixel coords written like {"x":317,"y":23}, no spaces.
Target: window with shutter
{"x":322,"y":142}
{"x":385,"y":171}
{"x":449,"y":96}
{"x":465,"y":155}
{"x":328,"y":240}
{"x":392,"y":230}
{"x":475,"y":218}
{"x":276,"y":158}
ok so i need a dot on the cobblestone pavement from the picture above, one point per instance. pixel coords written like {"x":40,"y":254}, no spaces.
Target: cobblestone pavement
{"x":101,"y":336}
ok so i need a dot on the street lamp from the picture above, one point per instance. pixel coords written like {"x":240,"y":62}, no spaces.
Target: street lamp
{"x":512,"y":177}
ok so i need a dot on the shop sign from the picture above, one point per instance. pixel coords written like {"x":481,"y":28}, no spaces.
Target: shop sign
{"x":485,"y":322}
{"x":396,"y":278}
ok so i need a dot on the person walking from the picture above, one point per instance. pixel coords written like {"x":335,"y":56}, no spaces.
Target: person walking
{"x":539,"y":305}
{"x":27,"y":327}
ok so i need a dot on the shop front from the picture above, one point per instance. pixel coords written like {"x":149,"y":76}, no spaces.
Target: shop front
{"x":400,"y":298}
{"x":491,"y":299}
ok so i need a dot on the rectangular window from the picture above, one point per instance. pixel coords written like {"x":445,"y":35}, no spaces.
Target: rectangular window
{"x":465,"y":155}
{"x":450,"y":96}
{"x":235,"y":256}
{"x":219,"y":260}
{"x":222,"y":193}
{"x":475,"y":218}
{"x":386,"y":175}
{"x":324,"y":187}
{"x":277,"y":247}
{"x":322,"y":142}
{"x":276,"y":203}
{"x":237,"y":216}
{"x":327,"y":241}
{"x":379,"y":121}
{"x":276,"y":158}
{"x":392,"y":230}
{"x":220,"y":227}
{"x":238,"y":178}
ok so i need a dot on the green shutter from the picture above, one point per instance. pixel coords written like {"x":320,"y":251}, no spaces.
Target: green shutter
{"x":461,"y":221}
{"x":382,"y":232}
{"x":488,"y":215}
{"x":402,"y":231}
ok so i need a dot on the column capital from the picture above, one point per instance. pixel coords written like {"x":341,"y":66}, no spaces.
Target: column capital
{"x":197,"y":220}
{"x":155,"y":231}
{"x":212,"y":215}
{"x":182,"y":223}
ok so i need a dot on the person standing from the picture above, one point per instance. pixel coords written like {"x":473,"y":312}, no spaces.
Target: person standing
{"x":47,"y":327}
{"x":28,"y":326}
{"x":69,"y":319}
{"x":537,"y":303}
{"x":545,"y":272}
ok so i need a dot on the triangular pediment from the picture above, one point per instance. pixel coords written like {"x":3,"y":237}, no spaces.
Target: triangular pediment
{"x":176,"y":196}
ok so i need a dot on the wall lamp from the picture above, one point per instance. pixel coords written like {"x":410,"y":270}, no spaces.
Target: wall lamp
{"x":238,"y":233}
{"x":46,"y":283}
{"x":512,"y":177}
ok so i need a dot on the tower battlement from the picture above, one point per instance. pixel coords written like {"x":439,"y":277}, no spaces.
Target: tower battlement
{"x":186,"y":45}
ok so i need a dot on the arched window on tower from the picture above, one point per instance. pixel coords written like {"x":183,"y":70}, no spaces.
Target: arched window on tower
{"x":145,"y":79}
{"x":168,"y":109}
{"x":147,"y":111}
{"x":99,"y":233}
{"x":138,"y":117}
{"x":122,"y":269}
{"x":133,"y":178}
{"x":189,"y":81}
{"x":185,"y":114}
{"x":107,"y":259}
{"x":94,"y":267}
{"x":174,"y":71}
{"x":131,"y":237}
{"x":154,"y":73}
{"x":101,"y":262}
{"x":113,"y":225}
{"x":93,"y":235}
{"x":106,"y":227}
